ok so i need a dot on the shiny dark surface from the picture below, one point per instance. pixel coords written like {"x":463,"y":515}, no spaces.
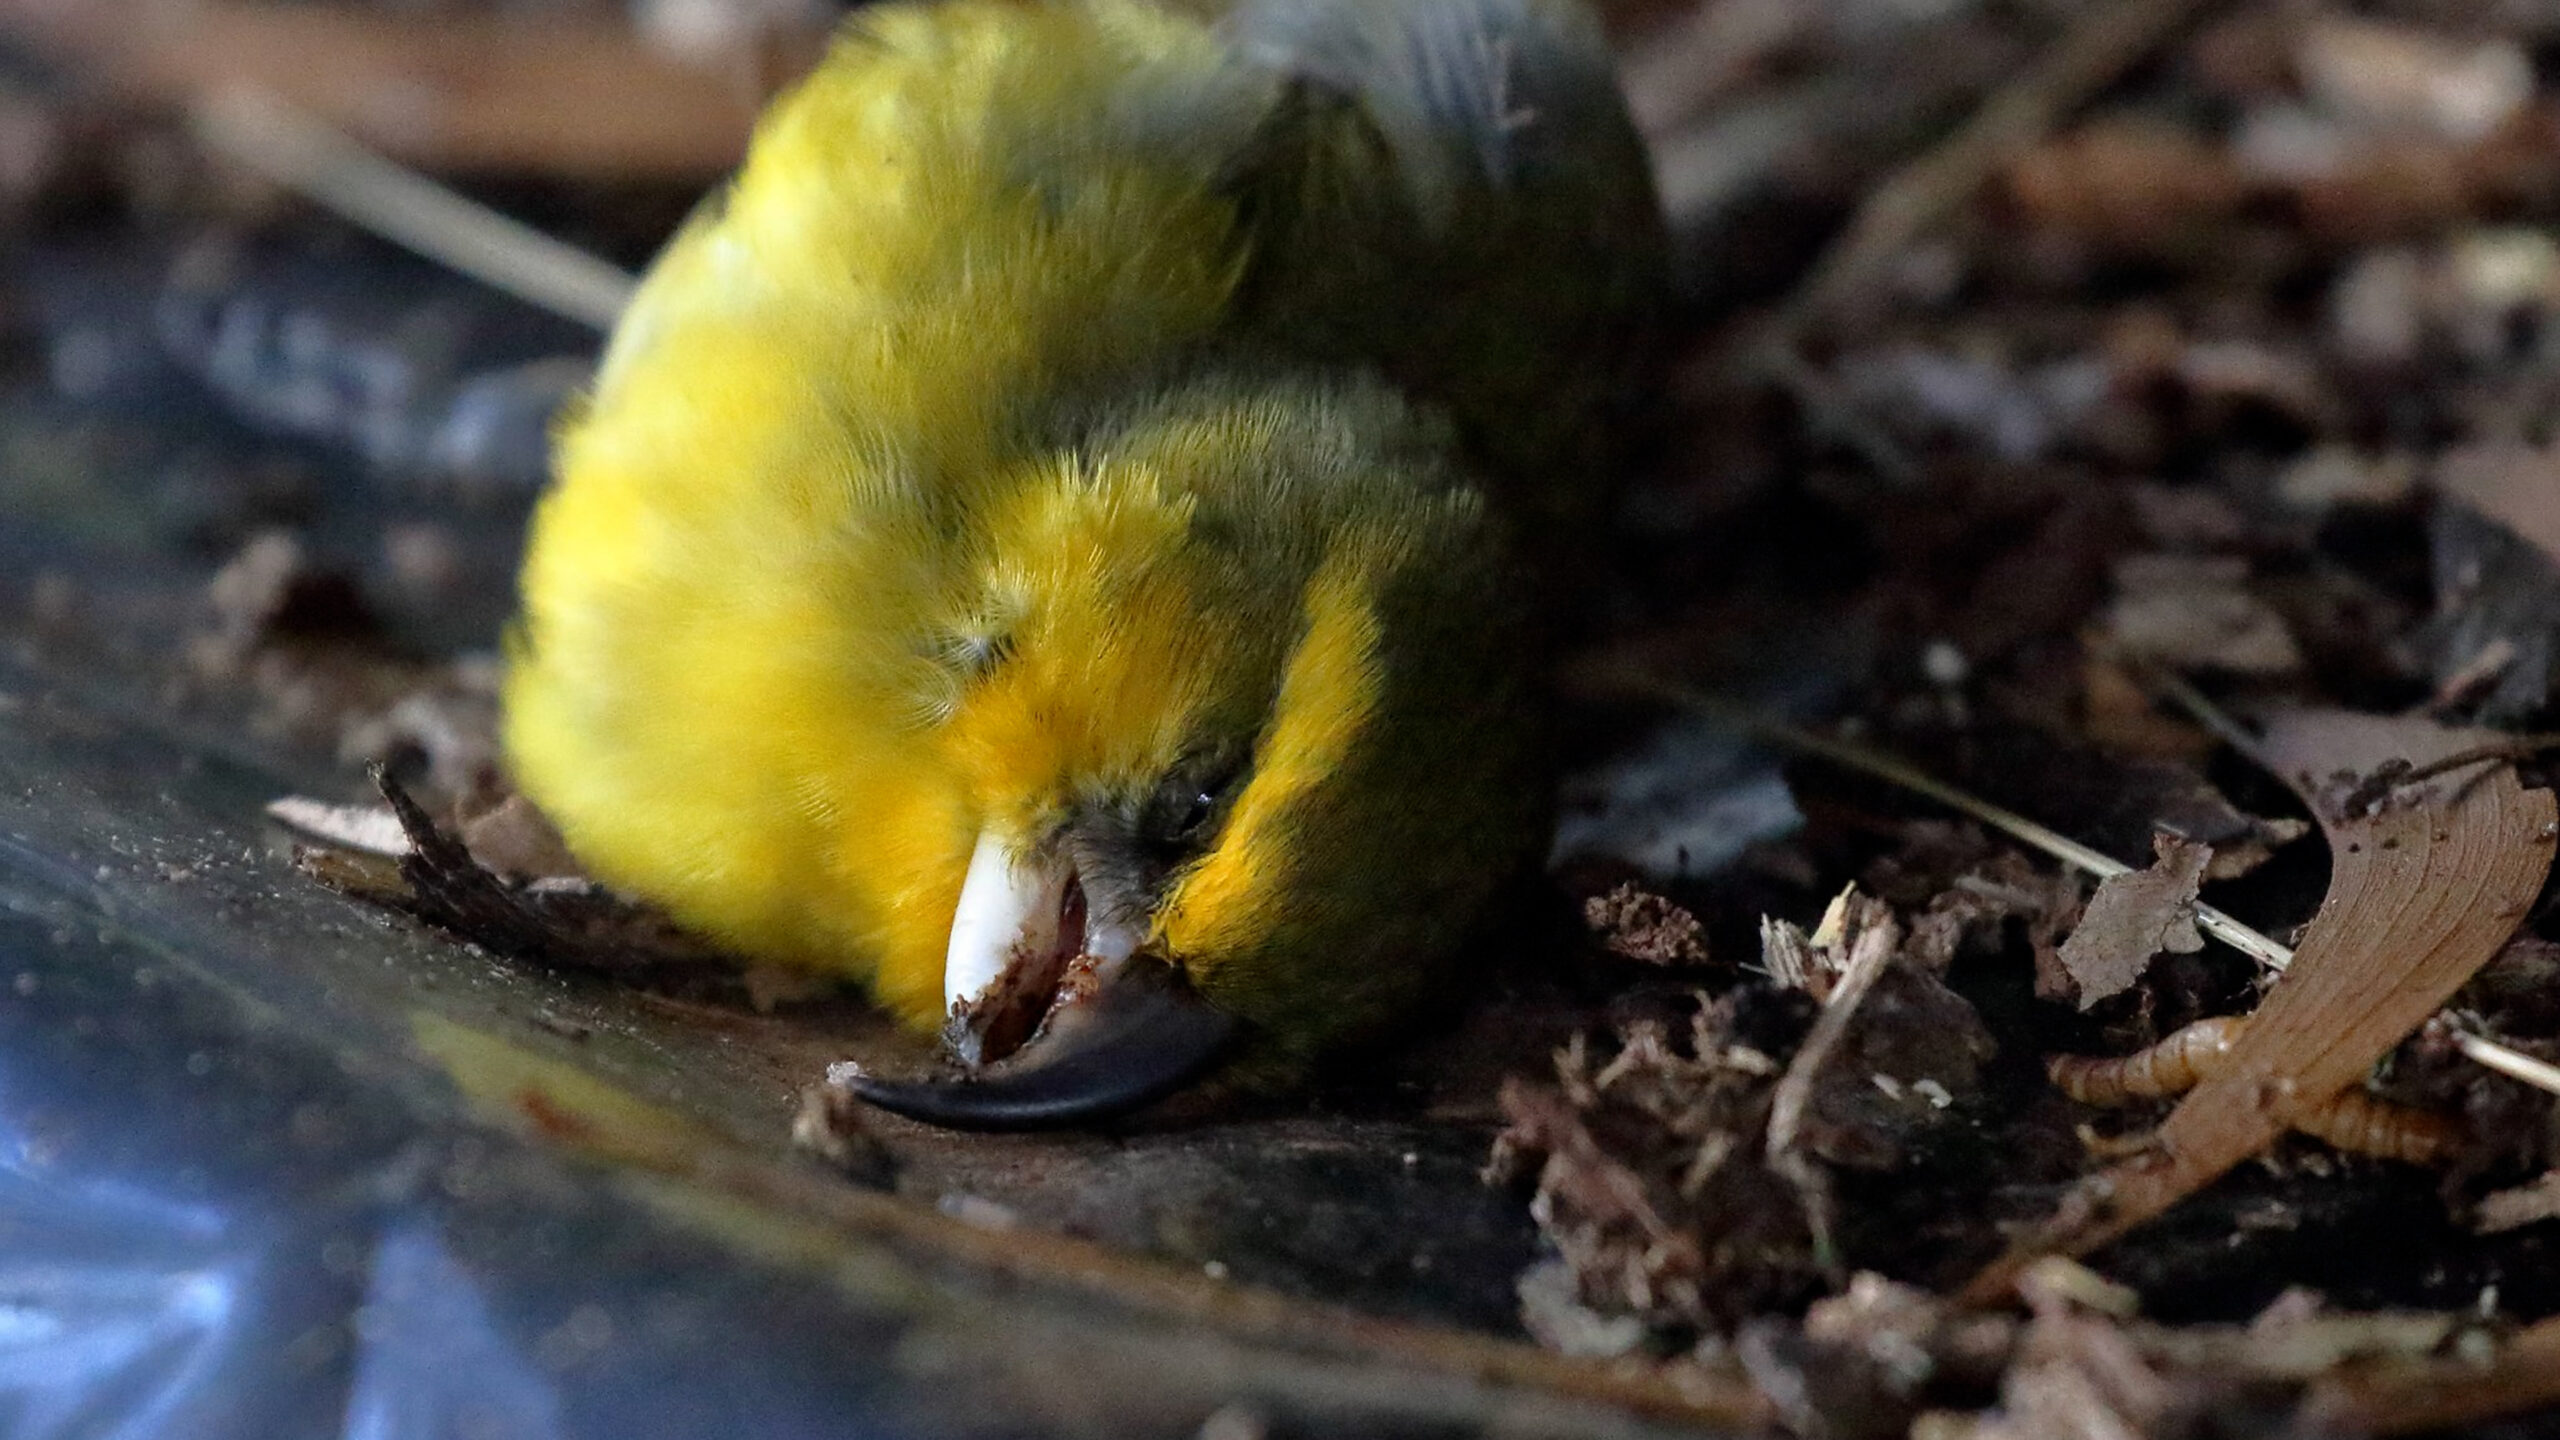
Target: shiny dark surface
{"x":277,"y":1163}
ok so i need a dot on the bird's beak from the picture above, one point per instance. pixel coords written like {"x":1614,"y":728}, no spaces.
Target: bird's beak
{"x":1052,"y":992}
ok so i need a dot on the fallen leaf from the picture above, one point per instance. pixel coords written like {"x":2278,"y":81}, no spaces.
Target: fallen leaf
{"x":2127,"y":185}
{"x":2195,"y":611}
{"x":366,"y":829}
{"x":2400,"y":77}
{"x":2512,"y":1209}
{"x":2133,"y":917}
{"x":2180,"y":517}
{"x":2118,"y":715}
{"x":2334,"y":474}
{"x":2425,"y":887}
{"x":515,"y":838}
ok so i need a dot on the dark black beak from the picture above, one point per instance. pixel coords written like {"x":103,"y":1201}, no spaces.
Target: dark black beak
{"x":1142,"y":1035}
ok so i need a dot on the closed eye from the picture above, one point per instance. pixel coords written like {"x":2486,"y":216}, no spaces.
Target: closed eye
{"x":1185,"y":809}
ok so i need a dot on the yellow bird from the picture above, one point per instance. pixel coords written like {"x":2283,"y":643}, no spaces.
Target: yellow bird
{"x":1043,"y":540}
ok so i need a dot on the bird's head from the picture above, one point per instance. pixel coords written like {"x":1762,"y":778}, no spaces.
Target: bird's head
{"x":1239,"y":700}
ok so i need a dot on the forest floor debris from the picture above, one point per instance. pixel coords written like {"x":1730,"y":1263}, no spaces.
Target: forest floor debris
{"x":2212,"y":359}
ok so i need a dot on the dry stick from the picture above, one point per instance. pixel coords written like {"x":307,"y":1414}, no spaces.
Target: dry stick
{"x":2438,"y":1394}
{"x":1871,"y":950}
{"x":402,"y":206}
{"x":2266,"y":951}
{"x":2514,"y":1064}
{"x":485,"y":94}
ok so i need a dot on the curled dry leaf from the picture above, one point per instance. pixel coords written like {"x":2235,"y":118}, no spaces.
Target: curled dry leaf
{"x":2424,"y":889}
{"x":2131,"y":918}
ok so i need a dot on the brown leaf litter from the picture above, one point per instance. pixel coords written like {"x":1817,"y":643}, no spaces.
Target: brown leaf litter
{"x":1683,"y":1173}
{"x":2424,"y":890}
{"x":2196,"y":611}
{"x":2131,"y":918}
{"x":1884,"y":1359}
{"x":294,"y":639}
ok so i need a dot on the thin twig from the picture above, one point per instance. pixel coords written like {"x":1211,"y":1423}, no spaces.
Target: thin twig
{"x":2257,"y":946}
{"x":2514,"y":1064}
{"x":402,"y":206}
{"x":1871,"y":949}
{"x":2376,"y":787}
{"x":2199,"y":707}
{"x":2210,"y":920}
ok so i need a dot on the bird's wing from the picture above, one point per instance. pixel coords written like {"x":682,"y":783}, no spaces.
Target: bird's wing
{"x":1519,"y":95}
{"x":1453,"y":189}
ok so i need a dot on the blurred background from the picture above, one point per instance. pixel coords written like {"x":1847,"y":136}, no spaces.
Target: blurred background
{"x":2028,"y":350}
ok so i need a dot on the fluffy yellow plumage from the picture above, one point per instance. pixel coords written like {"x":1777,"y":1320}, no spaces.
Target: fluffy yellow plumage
{"x":999,"y":458}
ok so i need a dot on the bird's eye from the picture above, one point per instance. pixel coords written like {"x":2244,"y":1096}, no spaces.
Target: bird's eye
{"x":1187,"y":806}
{"x":1195,"y":813}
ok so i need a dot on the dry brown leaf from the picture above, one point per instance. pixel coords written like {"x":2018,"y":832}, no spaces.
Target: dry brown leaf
{"x":2531,"y":1203}
{"x":516,"y":839}
{"x":478,"y":93}
{"x":2133,"y":917}
{"x":2196,"y":611}
{"x":2334,"y":474}
{"x":2425,"y":887}
{"x":2117,"y":714}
